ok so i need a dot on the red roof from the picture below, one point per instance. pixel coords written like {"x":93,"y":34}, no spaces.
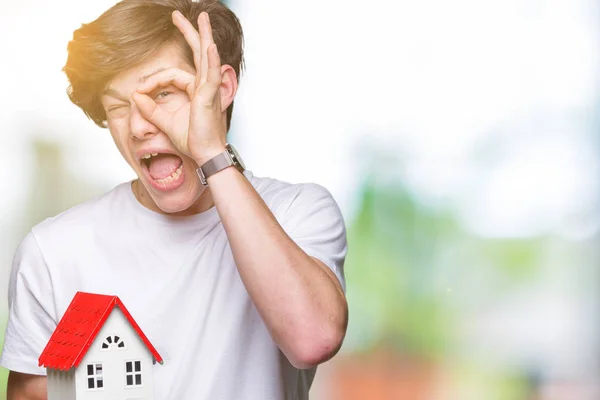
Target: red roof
{"x":78,"y":328}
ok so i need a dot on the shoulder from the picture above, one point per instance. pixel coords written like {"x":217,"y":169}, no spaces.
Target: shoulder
{"x":277,"y":193}
{"x":297,"y":202}
{"x":79,"y":218}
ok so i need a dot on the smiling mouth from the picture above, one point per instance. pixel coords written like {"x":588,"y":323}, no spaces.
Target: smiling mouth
{"x":162,"y":168}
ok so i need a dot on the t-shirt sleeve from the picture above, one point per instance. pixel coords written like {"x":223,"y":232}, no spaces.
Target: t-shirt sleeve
{"x":31,"y":310}
{"x":314,"y":221}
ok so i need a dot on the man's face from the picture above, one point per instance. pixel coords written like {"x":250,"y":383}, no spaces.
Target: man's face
{"x":168,"y":178}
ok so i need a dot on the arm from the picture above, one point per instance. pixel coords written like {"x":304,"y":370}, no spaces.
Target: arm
{"x":26,"y":386}
{"x":30,"y":322}
{"x":299,"y":298}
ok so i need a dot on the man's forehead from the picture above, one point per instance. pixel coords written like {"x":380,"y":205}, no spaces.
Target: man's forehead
{"x":137,"y":75}
{"x":168,"y":57}
{"x":144,"y":78}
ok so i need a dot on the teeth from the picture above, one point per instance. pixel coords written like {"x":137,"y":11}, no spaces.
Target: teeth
{"x":174,"y":176}
{"x":148,"y":155}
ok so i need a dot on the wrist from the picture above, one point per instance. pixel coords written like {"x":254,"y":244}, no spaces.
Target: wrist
{"x":208,"y":154}
{"x":211,"y":164}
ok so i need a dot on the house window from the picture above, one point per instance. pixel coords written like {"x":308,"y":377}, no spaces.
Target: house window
{"x":113,"y":340}
{"x":133,"y":373}
{"x":94,"y":376}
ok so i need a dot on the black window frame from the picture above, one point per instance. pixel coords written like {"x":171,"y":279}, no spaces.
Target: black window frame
{"x":133,"y":373}
{"x":95,"y":376}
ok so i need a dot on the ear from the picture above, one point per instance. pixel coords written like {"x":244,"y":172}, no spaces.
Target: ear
{"x":228,"y":87}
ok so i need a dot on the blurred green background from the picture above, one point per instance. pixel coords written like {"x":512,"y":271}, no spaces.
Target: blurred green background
{"x":460,"y":140}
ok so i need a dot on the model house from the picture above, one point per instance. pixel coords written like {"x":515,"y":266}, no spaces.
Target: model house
{"x":99,"y":352}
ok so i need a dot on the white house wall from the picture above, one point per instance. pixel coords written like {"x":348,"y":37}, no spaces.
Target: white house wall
{"x":61,"y":384}
{"x":113,"y":363}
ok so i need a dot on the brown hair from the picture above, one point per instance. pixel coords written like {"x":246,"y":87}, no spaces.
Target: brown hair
{"x":132,"y":31}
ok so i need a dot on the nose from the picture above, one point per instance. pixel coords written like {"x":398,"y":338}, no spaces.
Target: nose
{"x":140,"y":127}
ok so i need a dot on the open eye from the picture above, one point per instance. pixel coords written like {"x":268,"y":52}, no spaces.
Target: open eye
{"x":163,"y":94}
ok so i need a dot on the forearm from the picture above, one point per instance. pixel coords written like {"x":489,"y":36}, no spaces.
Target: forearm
{"x":25,"y":387}
{"x":299,"y":299}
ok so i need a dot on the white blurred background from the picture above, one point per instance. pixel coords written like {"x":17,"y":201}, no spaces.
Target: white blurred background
{"x":482,"y":113}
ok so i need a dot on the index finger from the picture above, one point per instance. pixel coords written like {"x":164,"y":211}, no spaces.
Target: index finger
{"x":171,"y":76}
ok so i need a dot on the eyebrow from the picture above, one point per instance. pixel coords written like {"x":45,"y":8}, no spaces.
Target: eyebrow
{"x":113,"y":93}
{"x":145,"y":77}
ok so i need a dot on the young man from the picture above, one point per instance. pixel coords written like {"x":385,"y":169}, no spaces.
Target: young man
{"x":236,"y":280}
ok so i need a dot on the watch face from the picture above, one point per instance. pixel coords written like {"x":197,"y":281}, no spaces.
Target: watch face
{"x":236,"y":157}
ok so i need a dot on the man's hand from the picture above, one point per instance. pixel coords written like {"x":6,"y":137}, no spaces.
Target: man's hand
{"x":26,"y":387}
{"x":198,"y":128}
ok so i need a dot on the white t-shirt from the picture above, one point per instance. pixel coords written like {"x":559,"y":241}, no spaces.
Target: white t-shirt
{"x":177,"y":277}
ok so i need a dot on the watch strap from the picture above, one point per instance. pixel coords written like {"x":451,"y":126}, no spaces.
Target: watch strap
{"x":214,"y":165}
{"x":228,"y":158}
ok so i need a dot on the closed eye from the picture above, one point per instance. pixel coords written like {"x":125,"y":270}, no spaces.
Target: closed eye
{"x":114,"y":108}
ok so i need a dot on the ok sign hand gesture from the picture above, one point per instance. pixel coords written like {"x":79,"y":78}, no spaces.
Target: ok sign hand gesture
{"x":198,"y":128}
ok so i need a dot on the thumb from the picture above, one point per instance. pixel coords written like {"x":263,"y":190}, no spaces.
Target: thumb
{"x":151,"y":111}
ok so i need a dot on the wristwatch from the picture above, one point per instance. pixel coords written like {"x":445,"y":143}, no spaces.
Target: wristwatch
{"x":228,"y":158}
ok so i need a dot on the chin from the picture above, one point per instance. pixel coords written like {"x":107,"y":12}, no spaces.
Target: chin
{"x":179,"y":201}
{"x":174,"y":207}
{"x":176,"y":203}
